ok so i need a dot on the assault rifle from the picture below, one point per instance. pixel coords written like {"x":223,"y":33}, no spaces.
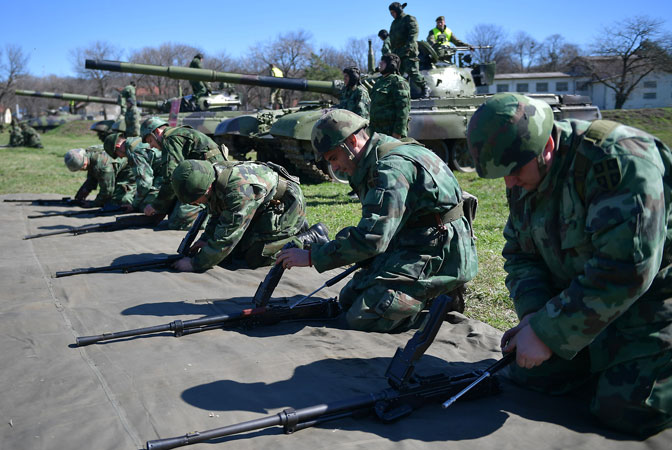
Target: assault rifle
{"x":182,"y":251}
{"x":121,"y":223}
{"x":407,"y":392}
{"x":104,"y":211}
{"x":65,"y":201}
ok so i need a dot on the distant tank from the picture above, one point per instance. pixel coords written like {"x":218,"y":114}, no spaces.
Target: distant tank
{"x":438,"y":122}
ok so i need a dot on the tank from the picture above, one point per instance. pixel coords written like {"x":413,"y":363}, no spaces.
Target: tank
{"x":438,"y":122}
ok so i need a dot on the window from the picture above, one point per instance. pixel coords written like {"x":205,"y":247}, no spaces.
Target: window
{"x":649,"y":95}
{"x":522,"y":87}
{"x":650,"y":84}
{"x":562,"y":86}
{"x":503,"y":88}
{"x":542,"y":87}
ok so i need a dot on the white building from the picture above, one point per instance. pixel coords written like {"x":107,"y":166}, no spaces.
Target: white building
{"x":654,"y":91}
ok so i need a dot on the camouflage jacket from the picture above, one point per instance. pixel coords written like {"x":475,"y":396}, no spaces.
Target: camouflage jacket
{"x":128,"y":93}
{"x":408,"y":183}
{"x":390,"y":106}
{"x":404,"y":36}
{"x":233,"y":204}
{"x":30,"y":136}
{"x":146,"y":164}
{"x":102,"y":173}
{"x":385,"y":49}
{"x":178,"y":144}
{"x":199,"y":88}
{"x":356,"y":100}
{"x":595,"y":260}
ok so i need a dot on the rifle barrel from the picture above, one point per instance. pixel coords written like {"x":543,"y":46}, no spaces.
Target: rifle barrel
{"x":126,"y":268}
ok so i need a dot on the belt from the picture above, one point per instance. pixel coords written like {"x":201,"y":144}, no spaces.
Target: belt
{"x":438,"y":219}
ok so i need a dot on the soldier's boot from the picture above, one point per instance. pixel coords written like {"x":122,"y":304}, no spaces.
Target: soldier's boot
{"x":317,"y":234}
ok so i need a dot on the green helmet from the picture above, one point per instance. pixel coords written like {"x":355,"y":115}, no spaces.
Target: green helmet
{"x":149,"y":125}
{"x":110,"y":143}
{"x":333,"y":128}
{"x":74,"y":159}
{"x":191,"y":179}
{"x":507,"y":132}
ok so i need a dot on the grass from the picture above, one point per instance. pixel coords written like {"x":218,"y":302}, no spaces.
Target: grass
{"x":27,"y":170}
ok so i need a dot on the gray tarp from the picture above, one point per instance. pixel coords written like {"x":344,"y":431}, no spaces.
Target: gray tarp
{"x":118,"y":395}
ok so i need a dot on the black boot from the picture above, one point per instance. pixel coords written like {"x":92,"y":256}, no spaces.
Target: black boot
{"x":317,"y":234}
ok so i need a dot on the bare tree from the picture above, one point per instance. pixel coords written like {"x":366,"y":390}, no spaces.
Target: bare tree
{"x":626,"y":52}
{"x":13,"y":67}
{"x":556,"y":54}
{"x":524,"y":51}
{"x":103,"y":79}
{"x":492,"y":36}
{"x":168,"y":54}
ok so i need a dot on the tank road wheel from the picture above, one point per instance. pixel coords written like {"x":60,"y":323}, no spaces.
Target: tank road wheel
{"x":459,"y":157}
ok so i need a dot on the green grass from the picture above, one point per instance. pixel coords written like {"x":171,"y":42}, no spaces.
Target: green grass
{"x":42,"y":171}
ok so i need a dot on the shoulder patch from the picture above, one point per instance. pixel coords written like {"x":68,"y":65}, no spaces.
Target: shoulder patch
{"x":607,"y":173}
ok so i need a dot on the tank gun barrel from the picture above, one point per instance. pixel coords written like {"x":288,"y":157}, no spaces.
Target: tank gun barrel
{"x":191,"y":74}
{"x":83,"y":98}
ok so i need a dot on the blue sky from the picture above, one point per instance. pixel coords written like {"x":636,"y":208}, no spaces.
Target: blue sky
{"x":48,"y":30}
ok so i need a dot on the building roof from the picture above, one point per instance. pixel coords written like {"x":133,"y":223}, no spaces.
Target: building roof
{"x":517,"y":76}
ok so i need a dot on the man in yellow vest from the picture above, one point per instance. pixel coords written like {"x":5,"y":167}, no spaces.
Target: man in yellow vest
{"x":442,"y":35}
{"x":276,"y":93}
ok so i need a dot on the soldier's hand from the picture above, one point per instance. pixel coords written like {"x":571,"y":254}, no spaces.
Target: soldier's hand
{"x":509,"y":334}
{"x":149,"y":210}
{"x":183,"y":265}
{"x":530,"y":350}
{"x":293,"y":257}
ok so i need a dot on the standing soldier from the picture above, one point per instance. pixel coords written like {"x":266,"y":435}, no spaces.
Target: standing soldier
{"x":354,"y":96}
{"x":256,"y":208}
{"x":132,"y":115}
{"x":413,"y":227}
{"x":176,"y":145}
{"x":385,"y":37}
{"x":199,"y":88}
{"x":588,"y":254}
{"x":31,"y":138}
{"x":390,"y":100}
{"x":103,"y":173}
{"x":276,"y":93}
{"x":404,"y":43}
{"x":443,"y":36}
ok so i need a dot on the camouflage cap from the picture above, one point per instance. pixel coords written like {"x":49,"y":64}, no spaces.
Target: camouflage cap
{"x":191,"y":179}
{"x":507,"y":132}
{"x":110,"y":143}
{"x":149,"y":125}
{"x":333,"y":128}
{"x":74,"y":159}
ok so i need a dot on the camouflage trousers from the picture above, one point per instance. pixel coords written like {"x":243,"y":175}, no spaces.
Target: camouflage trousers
{"x":15,"y":138}
{"x":132,"y":117}
{"x":124,"y":191}
{"x":276,"y":99}
{"x":411,"y":67}
{"x":634,"y":396}
{"x":182,"y":216}
{"x":32,"y":140}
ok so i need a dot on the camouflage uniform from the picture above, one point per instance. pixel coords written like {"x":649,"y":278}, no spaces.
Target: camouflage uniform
{"x":146,"y":163}
{"x":590,"y":251}
{"x":248,"y":213}
{"x":355,"y":99}
{"x":404,"y":43}
{"x":15,"y":136}
{"x":110,"y":176}
{"x":390,"y":106}
{"x":132,"y":115}
{"x":414,"y":260}
{"x":178,"y":144}
{"x":31,"y":138}
{"x":386,"y":48}
{"x":199,"y":88}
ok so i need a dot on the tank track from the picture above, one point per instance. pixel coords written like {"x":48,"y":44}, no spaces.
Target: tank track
{"x":307,"y":170}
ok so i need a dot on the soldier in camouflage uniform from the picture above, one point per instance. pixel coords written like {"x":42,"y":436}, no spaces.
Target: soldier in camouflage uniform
{"x":413,"y":226}
{"x":199,"y":88}
{"x":588,"y":254}
{"x":385,"y":37}
{"x":404,"y":43}
{"x":354,"y":96}
{"x":108,"y":174}
{"x":255,"y":210}
{"x":15,"y":135}
{"x":144,"y":161}
{"x":390,"y":100}
{"x":31,"y":138}
{"x":132,"y":115}
{"x":176,"y":145}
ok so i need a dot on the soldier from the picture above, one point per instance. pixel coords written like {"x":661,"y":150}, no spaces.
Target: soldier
{"x":199,"y":88}
{"x":144,"y":161}
{"x":413,"y":226}
{"x":15,"y":135}
{"x":256,"y":208}
{"x":385,"y":37}
{"x":588,"y":254}
{"x":390,"y":100}
{"x":31,"y":138}
{"x":276,"y":93}
{"x":404,"y":43}
{"x":442,"y":35}
{"x":176,"y":145}
{"x":102,"y":172}
{"x":132,"y":115}
{"x":354,"y":96}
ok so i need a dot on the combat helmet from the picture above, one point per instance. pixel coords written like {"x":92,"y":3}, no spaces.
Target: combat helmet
{"x":507,"y":132}
{"x":333,"y":128}
{"x":75,"y":158}
{"x":191,"y":179}
{"x":110,"y":143}
{"x":149,"y":125}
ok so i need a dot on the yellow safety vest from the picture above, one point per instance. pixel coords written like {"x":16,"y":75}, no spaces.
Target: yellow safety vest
{"x":446,"y":32}
{"x":276,"y":72}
